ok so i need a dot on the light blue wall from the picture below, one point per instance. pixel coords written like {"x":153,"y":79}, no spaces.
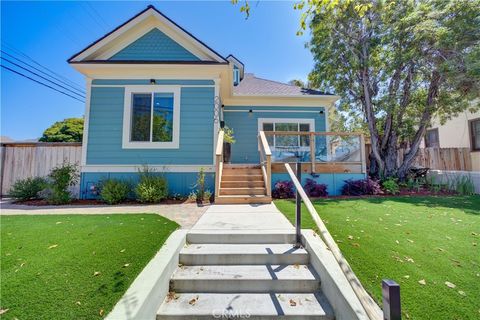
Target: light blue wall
{"x":334,"y":181}
{"x":178,"y":183}
{"x":155,"y":45}
{"x":106,"y":125}
{"x":245,"y":127}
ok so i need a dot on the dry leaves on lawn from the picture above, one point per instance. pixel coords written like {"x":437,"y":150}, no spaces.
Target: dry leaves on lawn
{"x":462,"y":293}
{"x":3,"y":311}
{"x":126,"y":265}
{"x":193,"y":301}
{"x":53,"y":246}
{"x":96,"y":273}
{"x":449,"y":284}
{"x":122,"y":251}
{"x":422,"y":282}
{"x":101,"y":312}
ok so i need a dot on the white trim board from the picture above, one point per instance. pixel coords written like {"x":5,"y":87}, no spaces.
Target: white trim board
{"x":127,"y":113}
{"x":133,"y":85}
{"x":170,"y":168}
{"x":86,"y":121}
{"x":311,"y":122}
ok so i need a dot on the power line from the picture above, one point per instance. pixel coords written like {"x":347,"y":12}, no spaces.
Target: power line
{"x":53,"y":82}
{"x":43,"y":72}
{"x":99,"y":15}
{"x":39,"y":82}
{"x":39,"y":64}
{"x":88,"y":10}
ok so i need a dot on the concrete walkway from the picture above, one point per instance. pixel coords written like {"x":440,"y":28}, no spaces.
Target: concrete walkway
{"x":185,"y":214}
{"x":243,"y":217}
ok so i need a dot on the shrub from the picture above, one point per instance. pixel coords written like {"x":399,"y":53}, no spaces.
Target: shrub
{"x":314,"y":189}
{"x":27,"y":189}
{"x":114,"y":191}
{"x":61,"y":178}
{"x":283,"y":190}
{"x":151,"y":188}
{"x":361,"y":187}
{"x":391,"y":186}
{"x":462,"y":185}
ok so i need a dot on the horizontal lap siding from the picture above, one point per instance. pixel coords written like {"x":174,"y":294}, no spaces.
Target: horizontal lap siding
{"x":106,"y":126}
{"x":245,"y":127}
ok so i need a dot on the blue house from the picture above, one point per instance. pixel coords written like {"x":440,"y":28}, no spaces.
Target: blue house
{"x":158,"y":96}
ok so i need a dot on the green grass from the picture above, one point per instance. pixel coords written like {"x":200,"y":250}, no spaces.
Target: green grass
{"x":48,"y":263}
{"x":408,"y":239}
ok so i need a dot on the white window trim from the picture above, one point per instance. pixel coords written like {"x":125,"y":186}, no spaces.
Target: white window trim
{"x":310,"y":122}
{"x":127,"y":116}
{"x":236,"y":76}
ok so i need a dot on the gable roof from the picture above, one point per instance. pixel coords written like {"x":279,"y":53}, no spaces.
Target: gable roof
{"x":253,"y":86}
{"x":150,"y":11}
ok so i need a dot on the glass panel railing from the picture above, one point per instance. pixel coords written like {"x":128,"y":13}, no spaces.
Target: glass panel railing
{"x":293,"y":147}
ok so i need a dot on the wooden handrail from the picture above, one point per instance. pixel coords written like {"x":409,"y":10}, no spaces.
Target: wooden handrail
{"x":265,"y":145}
{"x":219,"y":162}
{"x":219,"y":148}
{"x":265,"y":161}
{"x":371,"y":308}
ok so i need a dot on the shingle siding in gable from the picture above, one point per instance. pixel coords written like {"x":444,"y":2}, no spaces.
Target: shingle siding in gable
{"x":155,"y":45}
{"x":106,"y":125}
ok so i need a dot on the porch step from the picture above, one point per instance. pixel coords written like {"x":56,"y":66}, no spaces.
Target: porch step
{"x":242,"y":191}
{"x":242,"y":254}
{"x":242,"y":184}
{"x":242,"y":177}
{"x":236,"y":199}
{"x":240,"y":170}
{"x":245,"y":279}
{"x":254,"y":306}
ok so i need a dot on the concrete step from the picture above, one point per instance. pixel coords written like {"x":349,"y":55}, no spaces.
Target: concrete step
{"x":242,"y":177}
{"x":235,"y":199}
{"x":253,"y":306}
{"x":242,"y":184}
{"x":241,"y":236}
{"x":242,"y":191}
{"x":242,"y":254}
{"x":245,"y":279}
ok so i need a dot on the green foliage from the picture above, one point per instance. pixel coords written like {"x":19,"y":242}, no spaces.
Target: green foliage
{"x":60,"y":179}
{"x":27,"y":189}
{"x":152,"y":188}
{"x":228,"y":136}
{"x":200,"y":186}
{"x":462,"y":185}
{"x":114,"y":191}
{"x":396,"y":65}
{"x":68,"y":130}
{"x":391,"y":186}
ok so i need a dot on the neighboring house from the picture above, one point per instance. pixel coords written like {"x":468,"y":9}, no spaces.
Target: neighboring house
{"x":158,"y":96}
{"x":462,"y":131}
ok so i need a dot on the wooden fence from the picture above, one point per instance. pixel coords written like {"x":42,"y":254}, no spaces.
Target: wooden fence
{"x":24,"y":160}
{"x":453,"y":159}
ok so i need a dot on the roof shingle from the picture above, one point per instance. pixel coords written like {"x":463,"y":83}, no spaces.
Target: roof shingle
{"x":253,"y":86}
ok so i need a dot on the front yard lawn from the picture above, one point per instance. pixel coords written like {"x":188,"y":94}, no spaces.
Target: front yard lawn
{"x":429,"y":245}
{"x":74,"y":266}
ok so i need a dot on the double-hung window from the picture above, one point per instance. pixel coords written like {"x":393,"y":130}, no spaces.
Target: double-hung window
{"x":151,"y":117}
{"x":475,"y":134}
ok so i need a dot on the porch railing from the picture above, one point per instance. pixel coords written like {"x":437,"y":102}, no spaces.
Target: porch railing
{"x":219,"y":161}
{"x":317,"y":148}
{"x":265,"y":161}
{"x":390,"y":290}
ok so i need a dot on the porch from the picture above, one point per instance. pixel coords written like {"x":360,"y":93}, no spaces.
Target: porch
{"x":326,"y":157}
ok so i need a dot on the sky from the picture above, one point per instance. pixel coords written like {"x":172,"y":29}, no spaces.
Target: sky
{"x":50,"y":32}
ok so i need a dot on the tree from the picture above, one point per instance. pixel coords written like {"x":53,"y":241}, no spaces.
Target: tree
{"x":396,"y":64}
{"x":68,"y":130}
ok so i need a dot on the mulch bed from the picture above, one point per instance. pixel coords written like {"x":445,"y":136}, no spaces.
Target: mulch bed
{"x":80,"y":202}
